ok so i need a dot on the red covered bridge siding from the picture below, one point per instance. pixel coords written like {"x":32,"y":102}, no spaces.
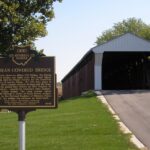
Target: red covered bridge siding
{"x":80,"y":78}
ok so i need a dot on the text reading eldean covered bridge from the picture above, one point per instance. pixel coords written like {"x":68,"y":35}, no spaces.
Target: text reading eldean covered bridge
{"x":122,"y":63}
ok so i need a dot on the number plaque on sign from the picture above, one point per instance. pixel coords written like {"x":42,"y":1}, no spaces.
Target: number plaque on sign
{"x":27,"y":80}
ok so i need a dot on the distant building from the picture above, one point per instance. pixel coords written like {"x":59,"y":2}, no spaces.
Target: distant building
{"x":59,"y":90}
{"x":122,"y":63}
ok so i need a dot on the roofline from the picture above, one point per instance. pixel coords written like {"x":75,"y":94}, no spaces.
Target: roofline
{"x":116,"y":37}
{"x":79,"y":62}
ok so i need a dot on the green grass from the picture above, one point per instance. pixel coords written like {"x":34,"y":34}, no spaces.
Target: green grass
{"x":78,"y":124}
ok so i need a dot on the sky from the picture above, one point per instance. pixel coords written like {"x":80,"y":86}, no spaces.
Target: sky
{"x":78,"y":23}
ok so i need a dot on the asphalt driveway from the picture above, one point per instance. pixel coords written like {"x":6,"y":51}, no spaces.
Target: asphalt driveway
{"x":133,"y":108}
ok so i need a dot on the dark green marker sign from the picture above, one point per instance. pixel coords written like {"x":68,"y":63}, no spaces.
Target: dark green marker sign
{"x":27,"y":80}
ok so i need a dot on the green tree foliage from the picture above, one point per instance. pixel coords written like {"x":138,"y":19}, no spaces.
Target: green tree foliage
{"x":133,"y":25}
{"x":22,"y":21}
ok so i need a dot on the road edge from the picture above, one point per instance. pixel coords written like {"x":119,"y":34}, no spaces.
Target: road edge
{"x":122,"y":126}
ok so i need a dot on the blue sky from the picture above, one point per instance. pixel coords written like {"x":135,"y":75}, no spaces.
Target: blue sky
{"x":78,"y":23}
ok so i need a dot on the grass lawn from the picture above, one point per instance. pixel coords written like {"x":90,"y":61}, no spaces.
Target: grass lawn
{"x":81,"y":123}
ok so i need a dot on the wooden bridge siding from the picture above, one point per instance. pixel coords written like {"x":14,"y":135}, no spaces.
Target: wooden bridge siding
{"x":80,"y":80}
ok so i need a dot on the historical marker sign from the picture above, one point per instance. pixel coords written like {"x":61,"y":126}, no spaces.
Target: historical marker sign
{"x":27,"y":80}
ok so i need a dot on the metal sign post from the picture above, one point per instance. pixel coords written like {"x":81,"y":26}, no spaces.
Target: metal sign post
{"x":21,"y":119}
{"x":22,"y":127}
{"x":22,"y":137}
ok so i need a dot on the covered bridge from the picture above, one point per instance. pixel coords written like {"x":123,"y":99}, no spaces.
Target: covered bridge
{"x":122,"y":63}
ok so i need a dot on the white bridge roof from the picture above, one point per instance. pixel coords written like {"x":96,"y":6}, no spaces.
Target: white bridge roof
{"x":126,"y":42}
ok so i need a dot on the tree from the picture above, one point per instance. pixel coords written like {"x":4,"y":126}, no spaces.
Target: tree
{"x":133,"y":25}
{"x":22,"y":21}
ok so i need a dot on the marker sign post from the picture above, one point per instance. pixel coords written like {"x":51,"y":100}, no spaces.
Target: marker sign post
{"x":27,"y":83}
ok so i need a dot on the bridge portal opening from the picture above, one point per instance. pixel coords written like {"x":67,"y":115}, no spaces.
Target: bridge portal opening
{"x":126,"y":70}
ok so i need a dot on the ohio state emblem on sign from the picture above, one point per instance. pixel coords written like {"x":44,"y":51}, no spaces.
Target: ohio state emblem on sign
{"x":22,"y":55}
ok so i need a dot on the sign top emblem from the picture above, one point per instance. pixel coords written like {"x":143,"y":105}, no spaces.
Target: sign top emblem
{"x":21,"y":55}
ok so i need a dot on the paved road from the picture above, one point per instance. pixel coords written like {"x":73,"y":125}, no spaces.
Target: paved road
{"x":133,"y":107}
